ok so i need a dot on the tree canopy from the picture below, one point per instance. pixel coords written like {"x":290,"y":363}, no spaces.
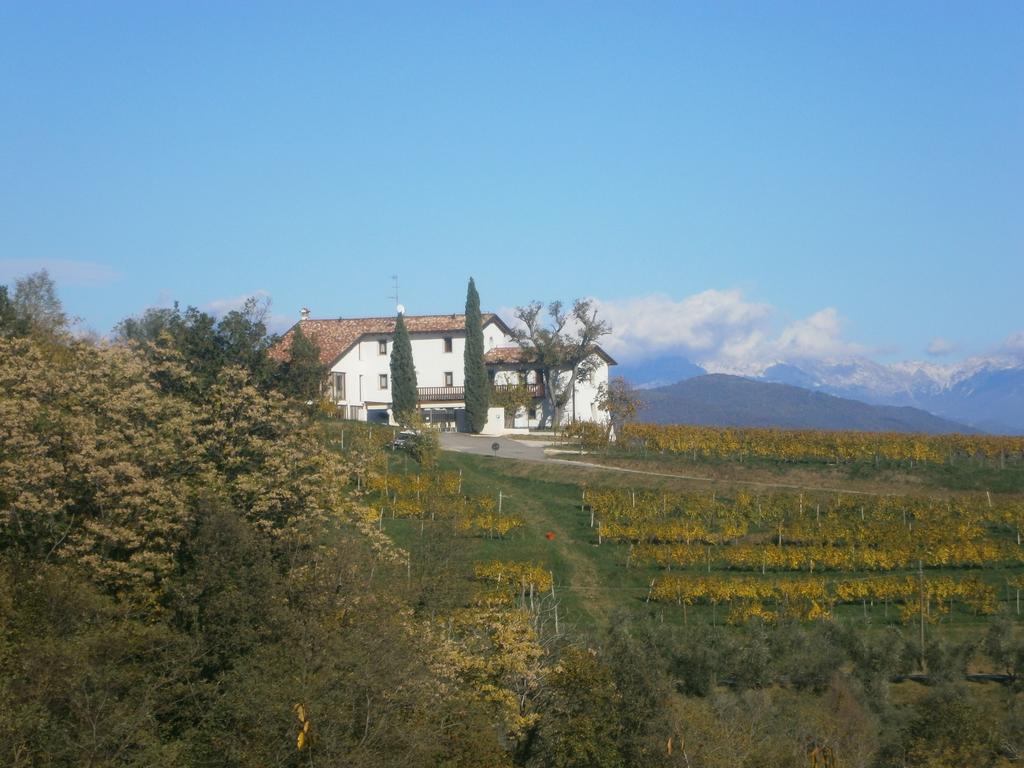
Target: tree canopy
{"x":561,"y":346}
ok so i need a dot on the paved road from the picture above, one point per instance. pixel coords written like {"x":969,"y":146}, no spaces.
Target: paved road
{"x":480,"y":444}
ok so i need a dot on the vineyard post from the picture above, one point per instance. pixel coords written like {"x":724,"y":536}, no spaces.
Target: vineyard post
{"x":380,"y":522}
{"x":920,"y":578}
{"x":343,"y":439}
{"x":460,"y":481}
{"x":649,"y":590}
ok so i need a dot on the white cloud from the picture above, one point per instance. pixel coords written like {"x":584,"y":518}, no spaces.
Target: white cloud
{"x":815,"y":337}
{"x":722,"y":331}
{"x":700,"y":324}
{"x":1014,"y":344}
{"x":63,"y":271}
{"x":939,"y":347}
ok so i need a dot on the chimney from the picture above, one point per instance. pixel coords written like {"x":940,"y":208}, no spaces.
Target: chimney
{"x":304,"y":314}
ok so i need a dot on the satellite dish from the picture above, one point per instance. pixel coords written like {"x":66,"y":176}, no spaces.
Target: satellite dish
{"x":400,"y":309}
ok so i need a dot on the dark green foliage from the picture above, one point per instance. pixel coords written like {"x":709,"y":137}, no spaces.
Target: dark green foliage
{"x":805,"y":656}
{"x":403,"y":374}
{"x":1004,"y":648}
{"x":478,"y":385}
{"x":950,"y":728}
{"x":207,"y":345}
{"x":580,"y":727}
{"x":303,"y":374}
{"x":83,"y":680}
{"x":695,"y":660}
{"x":425,"y":447}
{"x":10,"y":323}
{"x":637,"y":661}
{"x":876,"y":659}
{"x":364,"y":680}
{"x":947,"y":659}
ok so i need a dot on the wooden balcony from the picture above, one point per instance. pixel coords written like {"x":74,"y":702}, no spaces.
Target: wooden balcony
{"x":458,"y":394}
{"x":440,"y":394}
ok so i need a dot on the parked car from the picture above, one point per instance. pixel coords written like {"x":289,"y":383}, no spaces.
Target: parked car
{"x":404,"y":438}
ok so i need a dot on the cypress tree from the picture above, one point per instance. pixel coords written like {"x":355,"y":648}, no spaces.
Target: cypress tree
{"x":477,"y":384}
{"x":303,"y":374}
{"x":403,"y":374}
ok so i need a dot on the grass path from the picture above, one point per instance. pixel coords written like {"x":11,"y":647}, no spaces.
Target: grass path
{"x":583,"y":571}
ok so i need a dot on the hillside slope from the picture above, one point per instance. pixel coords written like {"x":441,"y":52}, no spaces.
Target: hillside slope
{"x":722,"y":400}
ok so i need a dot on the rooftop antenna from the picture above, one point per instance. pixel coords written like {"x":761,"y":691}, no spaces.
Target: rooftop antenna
{"x":398,"y":307}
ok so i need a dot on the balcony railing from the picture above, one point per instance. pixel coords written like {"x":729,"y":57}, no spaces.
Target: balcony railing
{"x":440,"y":394}
{"x":457,"y":394}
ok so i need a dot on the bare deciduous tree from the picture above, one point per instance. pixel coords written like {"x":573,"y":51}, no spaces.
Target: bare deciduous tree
{"x":561,"y":345}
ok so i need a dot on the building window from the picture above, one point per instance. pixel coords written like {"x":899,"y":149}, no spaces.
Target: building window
{"x":447,"y":343}
{"x":449,"y":379}
{"x":382,"y":347}
{"x":338,"y":384}
{"x":382,"y":381}
{"x":533,"y":413}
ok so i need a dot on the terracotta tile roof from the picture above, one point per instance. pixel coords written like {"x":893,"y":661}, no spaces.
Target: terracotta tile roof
{"x":336,"y":337}
{"x":507,"y":355}
{"x":519,"y":356}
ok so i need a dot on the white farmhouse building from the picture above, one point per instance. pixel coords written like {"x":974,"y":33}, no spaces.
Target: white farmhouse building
{"x":357,"y":352}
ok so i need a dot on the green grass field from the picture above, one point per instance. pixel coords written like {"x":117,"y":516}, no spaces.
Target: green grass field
{"x":592,"y":581}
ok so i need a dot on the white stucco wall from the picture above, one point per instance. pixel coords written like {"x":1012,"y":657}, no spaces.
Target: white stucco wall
{"x":363,"y":364}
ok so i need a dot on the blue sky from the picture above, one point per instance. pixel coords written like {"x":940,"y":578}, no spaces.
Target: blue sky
{"x":852,"y":167}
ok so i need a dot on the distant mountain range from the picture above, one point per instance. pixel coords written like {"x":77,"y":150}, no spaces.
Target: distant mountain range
{"x":723,"y":400}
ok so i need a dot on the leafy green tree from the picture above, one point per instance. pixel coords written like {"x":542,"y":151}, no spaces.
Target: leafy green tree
{"x":10,"y":323}
{"x":478,"y":386}
{"x":951,"y":727}
{"x":303,"y":374}
{"x":239,"y":338}
{"x":618,"y":399}
{"x":403,"y":374}
{"x":644,"y":688}
{"x":580,"y":722}
{"x":36,"y":302}
{"x":512,"y":399}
